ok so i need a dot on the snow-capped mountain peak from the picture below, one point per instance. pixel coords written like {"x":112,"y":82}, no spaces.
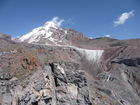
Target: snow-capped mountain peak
{"x":51,"y":33}
{"x":51,"y":24}
{"x":43,"y":31}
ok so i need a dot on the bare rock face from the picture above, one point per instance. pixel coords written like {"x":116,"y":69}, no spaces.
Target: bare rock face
{"x":101,"y":71}
{"x":56,"y":84}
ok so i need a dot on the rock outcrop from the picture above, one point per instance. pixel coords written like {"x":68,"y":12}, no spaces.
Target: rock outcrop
{"x":99,"y":74}
{"x":56,"y":84}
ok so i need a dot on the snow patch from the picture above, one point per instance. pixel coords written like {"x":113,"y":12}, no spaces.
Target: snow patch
{"x":108,"y":78}
{"x":53,"y":40}
{"x":49,"y":24}
{"x":92,"y":55}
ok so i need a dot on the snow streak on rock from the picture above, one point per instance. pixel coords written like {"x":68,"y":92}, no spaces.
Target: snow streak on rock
{"x":91,"y":55}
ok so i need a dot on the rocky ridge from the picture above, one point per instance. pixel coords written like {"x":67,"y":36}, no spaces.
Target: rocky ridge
{"x":51,"y":34}
{"x":95,"y":74}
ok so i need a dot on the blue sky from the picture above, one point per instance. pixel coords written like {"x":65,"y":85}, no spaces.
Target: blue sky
{"x":94,"y":18}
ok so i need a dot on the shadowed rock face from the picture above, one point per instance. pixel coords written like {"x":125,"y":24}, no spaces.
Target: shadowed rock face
{"x":135,"y":62}
{"x":97,"y":73}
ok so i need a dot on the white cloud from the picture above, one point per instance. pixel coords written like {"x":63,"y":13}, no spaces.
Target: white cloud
{"x":107,"y":36}
{"x":58,"y":21}
{"x":122,"y":19}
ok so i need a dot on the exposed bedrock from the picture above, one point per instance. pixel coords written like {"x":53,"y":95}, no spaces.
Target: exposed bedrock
{"x":32,"y":74}
{"x":56,"y":84}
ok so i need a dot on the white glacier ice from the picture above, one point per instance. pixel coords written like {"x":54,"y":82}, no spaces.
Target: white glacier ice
{"x":35,"y":34}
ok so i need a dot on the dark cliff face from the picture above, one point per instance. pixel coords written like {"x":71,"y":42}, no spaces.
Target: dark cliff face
{"x":107,"y":74}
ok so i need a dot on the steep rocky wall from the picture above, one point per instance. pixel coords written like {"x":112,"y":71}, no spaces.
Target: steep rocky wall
{"x":67,"y":75}
{"x":112,"y":78}
{"x":118,"y":84}
{"x":55,"y":84}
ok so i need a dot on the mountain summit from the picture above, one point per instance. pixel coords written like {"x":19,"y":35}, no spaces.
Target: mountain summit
{"x":52,"y":34}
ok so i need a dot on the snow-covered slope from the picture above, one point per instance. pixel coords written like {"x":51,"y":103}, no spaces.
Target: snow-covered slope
{"x":51,"y":34}
{"x":36,"y":34}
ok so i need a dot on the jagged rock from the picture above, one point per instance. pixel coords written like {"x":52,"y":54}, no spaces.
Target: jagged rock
{"x":106,"y":73}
